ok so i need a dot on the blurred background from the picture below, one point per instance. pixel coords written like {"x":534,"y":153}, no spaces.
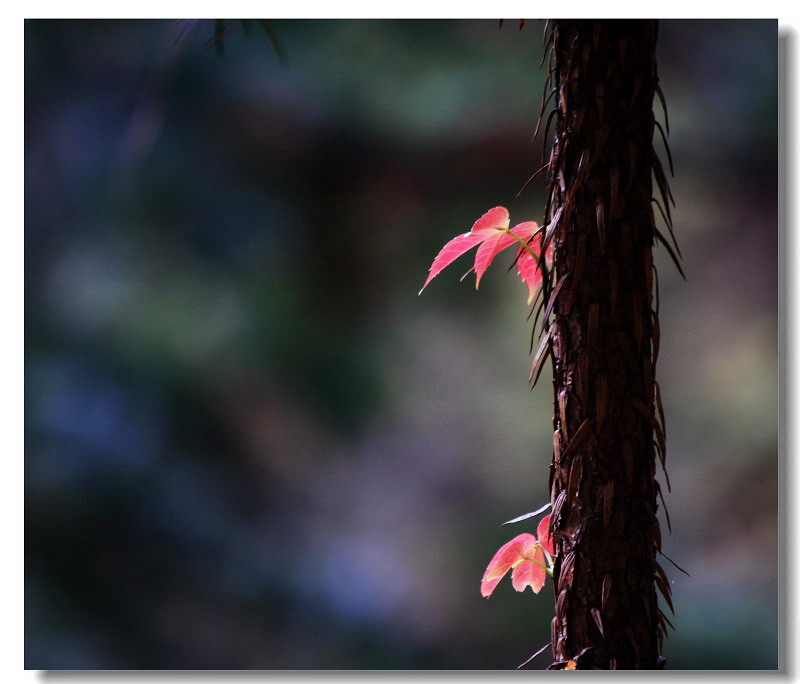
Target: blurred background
{"x":250,"y":444}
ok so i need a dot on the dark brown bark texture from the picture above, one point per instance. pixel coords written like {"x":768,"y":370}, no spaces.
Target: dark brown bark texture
{"x":603,"y":338}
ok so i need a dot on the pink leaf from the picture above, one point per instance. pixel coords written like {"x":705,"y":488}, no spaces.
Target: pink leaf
{"x":529,"y":573}
{"x":487,"y":587}
{"x":492,"y":225}
{"x":528,"y":268}
{"x":491,"y":232}
{"x":525,"y":230}
{"x":492,"y":222}
{"x":490,"y":248}
{"x":450,"y":252}
{"x":543,"y":532}
{"x":497,"y":242}
{"x":494,"y":218}
{"x":507,"y":555}
{"x":525,"y":556}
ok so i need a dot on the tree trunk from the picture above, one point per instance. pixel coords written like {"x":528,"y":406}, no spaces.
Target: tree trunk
{"x":603,"y":486}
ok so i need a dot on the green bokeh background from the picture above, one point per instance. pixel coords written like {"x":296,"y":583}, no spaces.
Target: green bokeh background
{"x":249,"y":444}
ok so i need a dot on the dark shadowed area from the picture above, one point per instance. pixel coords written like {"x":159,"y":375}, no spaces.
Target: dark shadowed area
{"x":249,"y":444}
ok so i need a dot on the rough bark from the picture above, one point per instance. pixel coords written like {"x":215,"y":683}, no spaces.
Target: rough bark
{"x":603,"y":474}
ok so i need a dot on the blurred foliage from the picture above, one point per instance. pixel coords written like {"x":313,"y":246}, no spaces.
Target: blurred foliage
{"x":250,"y":445}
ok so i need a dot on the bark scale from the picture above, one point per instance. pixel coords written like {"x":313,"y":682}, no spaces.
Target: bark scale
{"x":603,"y":473}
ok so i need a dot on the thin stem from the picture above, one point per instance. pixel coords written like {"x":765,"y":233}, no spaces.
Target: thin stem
{"x":522,"y":242}
{"x":547,"y":568}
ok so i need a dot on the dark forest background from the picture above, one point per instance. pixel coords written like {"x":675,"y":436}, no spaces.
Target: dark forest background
{"x":249,"y":444}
